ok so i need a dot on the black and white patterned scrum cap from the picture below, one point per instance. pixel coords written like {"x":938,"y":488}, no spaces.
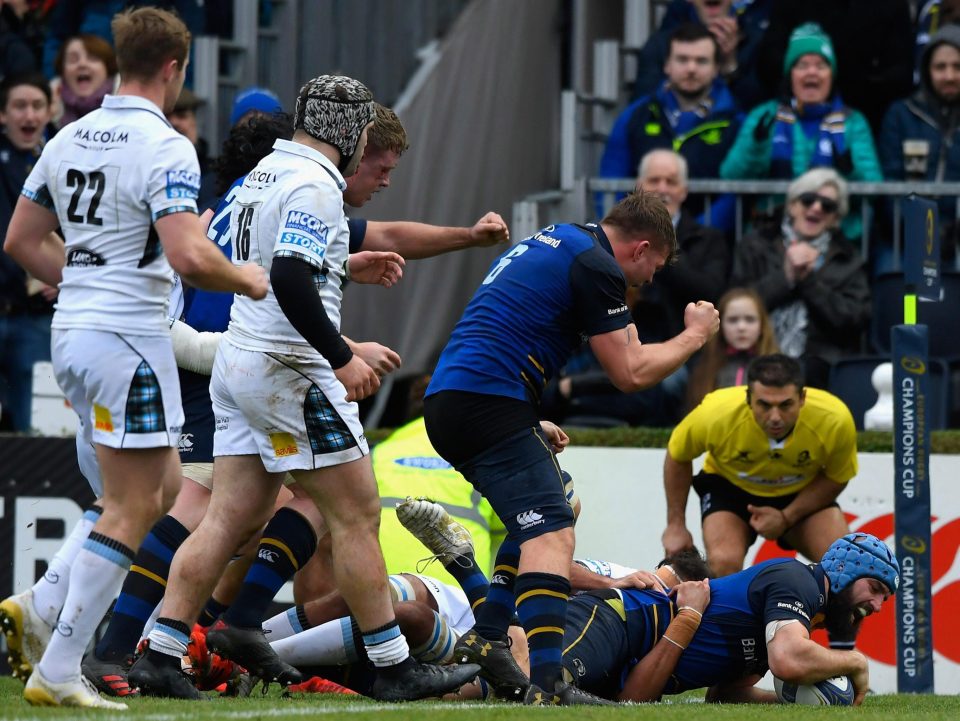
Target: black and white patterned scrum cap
{"x":335,"y":109}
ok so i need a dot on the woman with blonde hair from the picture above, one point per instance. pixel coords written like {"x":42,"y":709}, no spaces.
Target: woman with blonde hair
{"x":745,"y":332}
{"x":810,"y":277}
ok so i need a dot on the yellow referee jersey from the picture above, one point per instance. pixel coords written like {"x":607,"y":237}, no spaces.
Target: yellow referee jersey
{"x":738,"y":448}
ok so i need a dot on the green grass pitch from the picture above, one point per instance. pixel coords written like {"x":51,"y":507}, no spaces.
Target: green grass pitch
{"x":273,"y":707}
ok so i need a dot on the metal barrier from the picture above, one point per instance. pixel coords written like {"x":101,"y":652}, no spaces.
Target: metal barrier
{"x":577,"y":204}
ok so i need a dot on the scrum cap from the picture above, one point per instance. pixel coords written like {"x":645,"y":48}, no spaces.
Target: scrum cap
{"x":860,"y":555}
{"x":335,"y":109}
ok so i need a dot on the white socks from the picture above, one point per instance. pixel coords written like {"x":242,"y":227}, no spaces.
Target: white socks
{"x":96,"y":577}
{"x":50,"y":592}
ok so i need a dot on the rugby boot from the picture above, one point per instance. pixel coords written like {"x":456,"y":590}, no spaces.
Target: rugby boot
{"x":430,"y":523}
{"x":249,"y":648}
{"x":153,"y":677}
{"x":27,"y":634}
{"x":564,"y":694}
{"x":76,"y":692}
{"x":109,"y":677}
{"x":412,"y":680}
{"x":210,"y":671}
{"x":497,"y":664}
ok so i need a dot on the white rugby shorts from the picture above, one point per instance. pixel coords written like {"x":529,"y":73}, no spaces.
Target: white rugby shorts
{"x":288,"y":409}
{"x":124,"y":388}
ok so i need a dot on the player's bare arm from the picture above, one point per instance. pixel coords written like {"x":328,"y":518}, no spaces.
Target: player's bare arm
{"x":648,"y":678}
{"x":634,"y":366}
{"x":794,"y":657}
{"x":420,"y":240}
{"x":32,"y":242}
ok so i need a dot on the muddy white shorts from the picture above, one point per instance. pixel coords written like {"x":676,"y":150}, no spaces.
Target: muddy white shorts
{"x":289,"y":409}
{"x":124,"y":388}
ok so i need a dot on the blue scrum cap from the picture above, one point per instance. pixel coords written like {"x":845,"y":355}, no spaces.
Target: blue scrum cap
{"x":860,"y":555}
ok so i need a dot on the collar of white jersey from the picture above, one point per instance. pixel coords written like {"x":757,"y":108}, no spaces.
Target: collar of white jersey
{"x":133,"y":102}
{"x":304,"y":151}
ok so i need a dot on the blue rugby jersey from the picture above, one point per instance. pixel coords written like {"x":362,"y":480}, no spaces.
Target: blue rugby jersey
{"x":534,"y":307}
{"x":730,"y":642}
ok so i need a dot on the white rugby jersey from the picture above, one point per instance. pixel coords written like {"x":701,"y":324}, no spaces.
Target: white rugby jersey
{"x":291,"y":204}
{"x":109,"y":176}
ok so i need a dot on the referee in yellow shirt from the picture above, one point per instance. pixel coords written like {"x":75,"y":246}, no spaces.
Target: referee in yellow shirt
{"x":778,"y":456}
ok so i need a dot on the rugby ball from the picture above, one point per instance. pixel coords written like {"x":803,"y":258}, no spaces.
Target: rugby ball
{"x":837,"y":691}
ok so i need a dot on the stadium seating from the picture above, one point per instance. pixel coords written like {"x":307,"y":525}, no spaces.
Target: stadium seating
{"x":850,"y":380}
{"x":887,"y":289}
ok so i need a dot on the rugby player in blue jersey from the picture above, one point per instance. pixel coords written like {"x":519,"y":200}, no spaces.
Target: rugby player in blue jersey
{"x":536,"y":304}
{"x":757,"y":619}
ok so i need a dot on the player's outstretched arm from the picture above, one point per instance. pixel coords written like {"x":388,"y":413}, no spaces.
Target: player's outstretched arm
{"x":794,"y":657}
{"x":32,"y":242}
{"x":200,"y":263}
{"x":633,"y":366}
{"x":420,"y":240}
{"x":647,"y":679}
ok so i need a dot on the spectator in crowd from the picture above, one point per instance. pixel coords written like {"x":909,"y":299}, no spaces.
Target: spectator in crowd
{"x":737,"y":26}
{"x":931,"y":16}
{"x":778,"y":455}
{"x":703,"y":263}
{"x":745,"y":333}
{"x":809,"y":126}
{"x":21,"y":38}
{"x":67,"y":18}
{"x":920,"y":138}
{"x":87,"y":67}
{"x":183,"y":118}
{"x":254,"y":100}
{"x":26,"y":304}
{"x":874,"y":41}
{"x":810,"y":277}
{"x":691,"y":112}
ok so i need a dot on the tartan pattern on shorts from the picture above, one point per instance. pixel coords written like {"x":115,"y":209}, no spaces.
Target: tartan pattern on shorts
{"x":145,"y":403}
{"x":325,"y":428}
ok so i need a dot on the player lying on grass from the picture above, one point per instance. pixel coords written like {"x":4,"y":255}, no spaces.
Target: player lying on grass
{"x":317,"y":636}
{"x":635,"y":645}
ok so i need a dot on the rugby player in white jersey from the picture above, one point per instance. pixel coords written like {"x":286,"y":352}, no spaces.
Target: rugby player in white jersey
{"x":284,"y":388}
{"x":122,"y":184}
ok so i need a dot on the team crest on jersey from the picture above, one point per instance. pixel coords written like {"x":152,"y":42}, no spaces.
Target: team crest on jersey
{"x":183,"y":184}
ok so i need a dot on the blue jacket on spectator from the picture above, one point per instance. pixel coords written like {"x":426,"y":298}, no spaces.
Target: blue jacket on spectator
{"x":932,"y":124}
{"x":752,"y":18}
{"x":703,"y":139}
